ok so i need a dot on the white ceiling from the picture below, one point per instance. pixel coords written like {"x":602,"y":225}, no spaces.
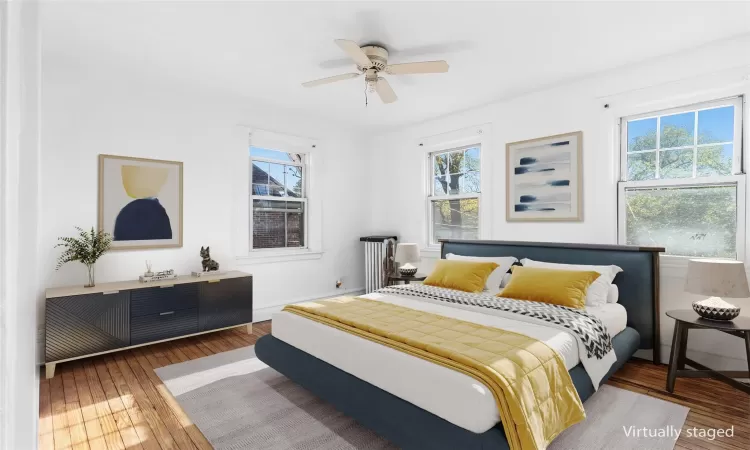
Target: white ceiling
{"x":264,"y":50}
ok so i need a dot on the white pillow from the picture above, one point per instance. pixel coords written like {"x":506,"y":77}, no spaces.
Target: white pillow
{"x":506,"y":280}
{"x":613,"y":294}
{"x":597,"y":292}
{"x":496,"y":277}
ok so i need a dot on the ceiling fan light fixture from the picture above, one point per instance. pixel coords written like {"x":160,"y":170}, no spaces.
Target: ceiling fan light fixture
{"x":372,"y":60}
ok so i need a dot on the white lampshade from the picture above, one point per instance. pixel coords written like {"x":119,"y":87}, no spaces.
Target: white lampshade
{"x":407,"y":253}
{"x":717,"y":278}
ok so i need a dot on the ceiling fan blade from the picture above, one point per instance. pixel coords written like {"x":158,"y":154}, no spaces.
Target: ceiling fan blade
{"x":418,"y":67}
{"x":352,"y":49}
{"x":385,"y":91}
{"x":334,"y":79}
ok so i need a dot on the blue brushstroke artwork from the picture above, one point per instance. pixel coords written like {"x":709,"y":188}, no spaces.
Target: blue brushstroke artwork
{"x":543,"y":207}
{"x":141,"y":220}
{"x":544,"y":178}
{"x":531,"y":185}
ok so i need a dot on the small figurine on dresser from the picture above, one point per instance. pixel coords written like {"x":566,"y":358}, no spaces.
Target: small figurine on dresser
{"x":209,"y":265}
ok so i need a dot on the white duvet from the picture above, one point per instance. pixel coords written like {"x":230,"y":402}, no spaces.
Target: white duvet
{"x":462,"y":400}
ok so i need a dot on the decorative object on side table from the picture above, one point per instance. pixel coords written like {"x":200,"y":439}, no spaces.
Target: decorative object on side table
{"x":87,"y":248}
{"x":140,"y":202}
{"x":544,"y":179}
{"x":405,"y":255}
{"x":716,"y":278}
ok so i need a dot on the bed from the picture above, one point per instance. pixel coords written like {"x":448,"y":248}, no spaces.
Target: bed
{"x":394,"y":394}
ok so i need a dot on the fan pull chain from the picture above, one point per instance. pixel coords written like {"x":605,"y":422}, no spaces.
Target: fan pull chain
{"x":365,"y":95}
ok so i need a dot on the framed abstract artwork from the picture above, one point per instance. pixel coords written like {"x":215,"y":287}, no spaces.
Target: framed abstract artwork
{"x":544,"y":179}
{"x":140,"y":202}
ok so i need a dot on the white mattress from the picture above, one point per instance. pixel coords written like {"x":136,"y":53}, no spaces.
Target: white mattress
{"x":462,"y":400}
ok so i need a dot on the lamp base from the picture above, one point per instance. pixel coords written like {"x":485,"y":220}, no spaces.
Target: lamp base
{"x":714,"y":308}
{"x":407,"y":270}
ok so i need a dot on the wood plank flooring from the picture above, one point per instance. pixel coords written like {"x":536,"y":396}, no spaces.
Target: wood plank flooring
{"x":116,"y":401}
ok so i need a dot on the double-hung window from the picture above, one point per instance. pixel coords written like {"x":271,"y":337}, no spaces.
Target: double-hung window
{"x":682,"y":183}
{"x":454,"y":193}
{"x":277,"y":196}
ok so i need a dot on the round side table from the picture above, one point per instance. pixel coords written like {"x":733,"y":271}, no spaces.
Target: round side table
{"x":394,"y":277}
{"x":685,"y":320}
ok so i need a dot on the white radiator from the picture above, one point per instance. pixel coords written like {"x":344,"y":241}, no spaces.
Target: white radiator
{"x":379,"y":251}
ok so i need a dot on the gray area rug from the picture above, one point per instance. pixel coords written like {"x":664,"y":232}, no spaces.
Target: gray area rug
{"x":240,"y":403}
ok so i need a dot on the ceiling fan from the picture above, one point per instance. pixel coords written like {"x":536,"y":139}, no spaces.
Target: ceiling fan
{"x":371,"y":60}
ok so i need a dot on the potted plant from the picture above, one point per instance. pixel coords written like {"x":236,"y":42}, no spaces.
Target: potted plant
{"x":87,"y":248}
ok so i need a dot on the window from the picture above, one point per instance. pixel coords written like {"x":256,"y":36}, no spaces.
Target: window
{"x":277,"y":193}
{"x":454,"y":192}
{"x":682,"y":184}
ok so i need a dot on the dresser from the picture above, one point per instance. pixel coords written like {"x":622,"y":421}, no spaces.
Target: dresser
{"x":109,"y":317}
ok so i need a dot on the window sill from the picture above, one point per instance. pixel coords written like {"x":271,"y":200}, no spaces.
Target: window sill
{"x":430,"y":252}
{"x":266,"y":257}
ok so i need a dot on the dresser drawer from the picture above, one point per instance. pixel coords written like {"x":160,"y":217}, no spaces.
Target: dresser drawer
{"x":154,"y":300}
{"x":164,"y":325}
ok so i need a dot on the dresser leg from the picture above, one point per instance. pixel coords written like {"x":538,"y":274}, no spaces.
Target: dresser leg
{"x":49,"y":370}
{"x":249,"y":328}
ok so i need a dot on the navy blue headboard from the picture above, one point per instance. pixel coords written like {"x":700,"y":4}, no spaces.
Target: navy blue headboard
{"x":638,"y":282}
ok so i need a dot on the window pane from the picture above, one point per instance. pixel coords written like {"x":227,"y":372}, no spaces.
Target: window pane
{"x":448,"y":184}
{"x":441,"y":164}
{"x":276,"y":180}
{"x":295,"y":225}
{"x":716,"y":125}
{"x":441,"y":185}
{"x":455,"y":219}
{"x":274,"y":154}
{"x":260,"y":172}
{"x":642,"y":166}
{"x":642,"y":135}
{"x":278,"y":224}
{"x":455,"y":162}
{"x":260,"y":189}
{"x":676,"y":163}
{"x":293,"y":181}
{"x":471,"y":159}
{"x":470,"y":183}
{"x":677,"y":130}
{"x":687,"y":221}
{"x":714,"y":160}
{"x":269,"y":223}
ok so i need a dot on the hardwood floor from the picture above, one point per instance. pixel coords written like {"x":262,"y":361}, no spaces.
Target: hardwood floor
{"x":116,"y":401}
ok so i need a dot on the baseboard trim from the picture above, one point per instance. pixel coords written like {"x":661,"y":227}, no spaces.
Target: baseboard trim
{"x":265,"y":313}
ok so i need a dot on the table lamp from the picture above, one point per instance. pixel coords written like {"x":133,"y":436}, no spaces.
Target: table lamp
{"x":405,"y":255}
{"x":716,"y":278}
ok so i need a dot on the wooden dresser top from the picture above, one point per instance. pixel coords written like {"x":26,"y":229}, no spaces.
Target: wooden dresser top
{"x":66,"y":291}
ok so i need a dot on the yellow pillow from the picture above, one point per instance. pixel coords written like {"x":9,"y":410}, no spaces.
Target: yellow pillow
{"x":558,"y":287}
{"x":465,"y":276}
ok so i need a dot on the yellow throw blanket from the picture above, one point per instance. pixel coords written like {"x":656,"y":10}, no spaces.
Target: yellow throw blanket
{"x":533,"y":390}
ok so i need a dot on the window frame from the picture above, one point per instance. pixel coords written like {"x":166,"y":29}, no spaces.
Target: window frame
{"x":431,"y":197}
{"x":737,"y":178}
{"x":302,"y":199}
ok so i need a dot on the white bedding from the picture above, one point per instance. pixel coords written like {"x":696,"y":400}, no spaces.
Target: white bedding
{"x":463,"y":400}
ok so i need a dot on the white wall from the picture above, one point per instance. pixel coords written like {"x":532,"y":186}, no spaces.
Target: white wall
{"x":708,"y":72}
{"x":19,"y":204}
{"x":89,"y":110}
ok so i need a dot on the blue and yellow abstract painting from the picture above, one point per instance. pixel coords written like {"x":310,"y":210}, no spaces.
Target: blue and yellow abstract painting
{"x":544,"y":179}
{"x":140,"y":201}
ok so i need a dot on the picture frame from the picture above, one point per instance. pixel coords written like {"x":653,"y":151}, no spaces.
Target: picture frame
{"x":544,"y":179}
{"x":140,"y":202}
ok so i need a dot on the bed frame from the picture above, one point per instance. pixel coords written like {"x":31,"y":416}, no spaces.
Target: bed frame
{"x":411,"y":427}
